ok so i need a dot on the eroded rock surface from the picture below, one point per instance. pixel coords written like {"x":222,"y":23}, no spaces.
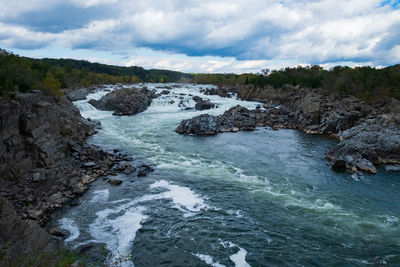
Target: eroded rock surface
{"x":125,"y":101}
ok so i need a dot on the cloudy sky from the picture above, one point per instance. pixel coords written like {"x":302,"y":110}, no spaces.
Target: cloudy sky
{"x":207,"y":35}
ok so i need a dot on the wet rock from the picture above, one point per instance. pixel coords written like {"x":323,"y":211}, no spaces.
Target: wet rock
{"x":114,"y":181}
{"x":374,"y":141}
{"x":164,"y":92}
{"x":235,"y":119}
{"x":125,"y":101}
{"x":220,"y":91}
{"x":58,"y":232}
{"x":392,"y":168}
{"x":79,"y":94}
{"x":125,"y":168}
{"x":201,"y":125}
{"x":144,"y":170}
{"x":202,"y":104}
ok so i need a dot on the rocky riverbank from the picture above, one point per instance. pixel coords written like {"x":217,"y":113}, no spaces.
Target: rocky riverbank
{"x":370,"y":133}
{"x":45,"y":164}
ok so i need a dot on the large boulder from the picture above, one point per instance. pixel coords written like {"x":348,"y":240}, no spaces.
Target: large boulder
{"x":201,"y":125}
{"x":125,"y":101}
{"x":220,"y":91}
{"x":376,"y":140}
{"x":202,"y":104}
{"x":78,"y":94}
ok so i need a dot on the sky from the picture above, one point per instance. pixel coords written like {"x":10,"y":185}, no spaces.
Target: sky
{"x":209,"y":36}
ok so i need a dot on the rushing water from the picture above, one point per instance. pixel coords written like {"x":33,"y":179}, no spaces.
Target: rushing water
{"x":262,"y":198}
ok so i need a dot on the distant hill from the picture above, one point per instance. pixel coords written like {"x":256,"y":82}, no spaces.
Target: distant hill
{"x":51,"y":75}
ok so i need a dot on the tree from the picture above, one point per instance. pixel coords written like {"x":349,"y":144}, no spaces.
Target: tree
{"x":52,"y":85}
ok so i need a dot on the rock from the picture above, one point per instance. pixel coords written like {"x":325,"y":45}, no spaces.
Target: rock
{"x":114,"y":181}
{"x":202,"y":104}
{"x":201,"y":125}
{"x":89,"y":164}
{"x":79,"y":94}
{"x":144,"y":170}
{"x":125,"y":168}
{"x":125,"y":101}
{"x":87,"y":179}
{"x":374,"y":141}
{"x":23,"y":238}
{"x":36,"y":176}
{"x":392,"y":168}
{"x":236,"y":119}
{"x":220,"y":91}
{"x":164,"y":92}
{"x":58,"y":232}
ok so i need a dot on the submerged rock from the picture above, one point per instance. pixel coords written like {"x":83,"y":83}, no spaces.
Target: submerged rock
{"x":114,"y":181}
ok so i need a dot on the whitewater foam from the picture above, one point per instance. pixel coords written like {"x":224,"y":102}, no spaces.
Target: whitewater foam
{"x":239,"y":258}
{"x":118,"y":232}
{"x":70,"y":226}
{"x":208,"y":259}
{"x":100,"y":196}
{"x":183,"y":198}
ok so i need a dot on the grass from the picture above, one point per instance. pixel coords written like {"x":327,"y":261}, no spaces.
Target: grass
{"x":65,"y":258}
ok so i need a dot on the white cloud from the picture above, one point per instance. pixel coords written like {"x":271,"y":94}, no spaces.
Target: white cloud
{"x":256,"y":32}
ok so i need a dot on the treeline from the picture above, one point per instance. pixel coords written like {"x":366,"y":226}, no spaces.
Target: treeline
{"x":51,"y":75}
{"x":364,"y":82}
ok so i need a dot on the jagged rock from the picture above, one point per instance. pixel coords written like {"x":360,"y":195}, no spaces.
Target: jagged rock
{"x":374,"y":141}
{"x":235,"y":119}
{"x":202,"y":104}
{"x":19,"y":238}
{"x":201,"y":125}
{"x":125,"y":101}
{"x":220,"y":91}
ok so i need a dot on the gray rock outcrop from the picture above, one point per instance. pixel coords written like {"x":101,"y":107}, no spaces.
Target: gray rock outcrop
{"x":125,"y":101}
{"x":202,"y":104}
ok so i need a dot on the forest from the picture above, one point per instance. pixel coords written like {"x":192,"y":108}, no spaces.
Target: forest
{"x":51,"y":75}
{"x":367,"y":83}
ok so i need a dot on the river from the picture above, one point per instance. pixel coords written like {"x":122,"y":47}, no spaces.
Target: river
{"x":262,"y":198}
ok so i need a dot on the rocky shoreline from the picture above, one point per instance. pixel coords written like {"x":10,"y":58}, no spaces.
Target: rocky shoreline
{"x":370,"y":133}
{"x":45,"y":164}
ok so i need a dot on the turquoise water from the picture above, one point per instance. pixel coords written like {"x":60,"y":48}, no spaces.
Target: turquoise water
{"x":262,"y":198}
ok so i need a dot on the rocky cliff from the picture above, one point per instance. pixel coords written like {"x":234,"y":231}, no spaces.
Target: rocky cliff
{"x":37,"y":170}
{"x":45,"y":163}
